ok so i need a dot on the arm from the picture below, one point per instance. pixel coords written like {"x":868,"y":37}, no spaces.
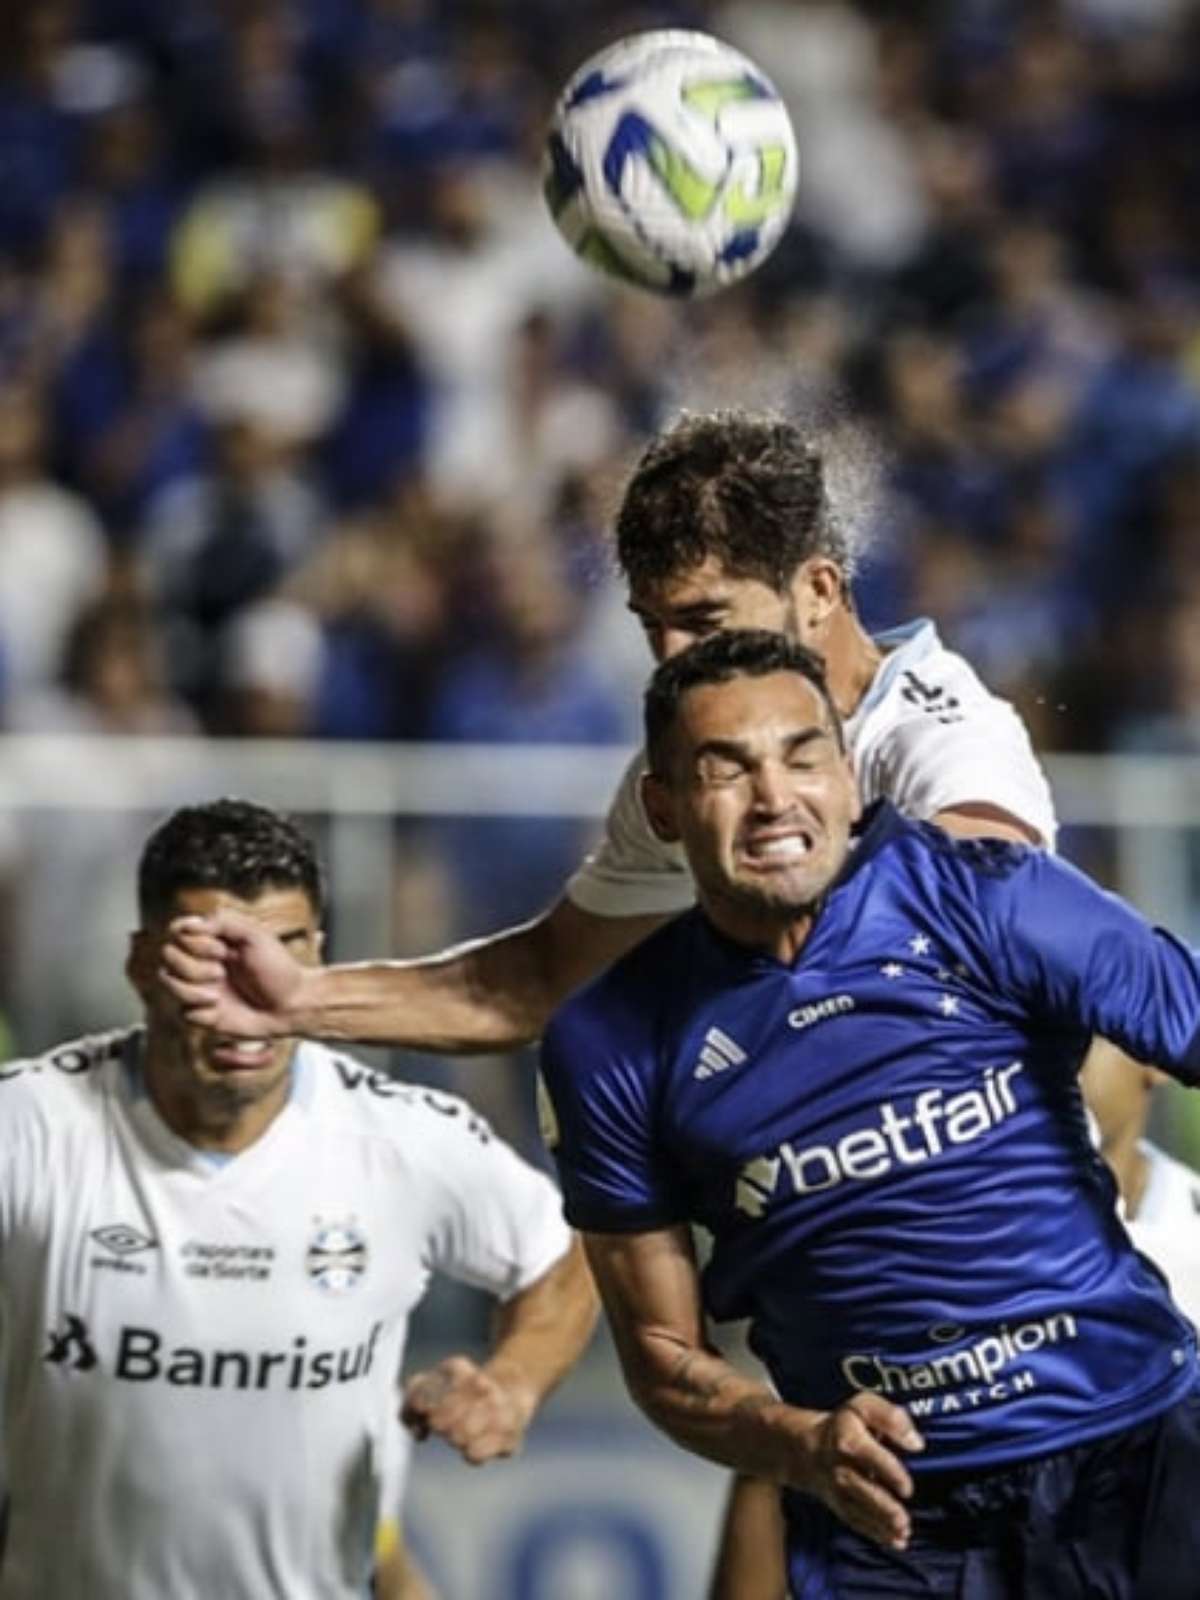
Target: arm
{"x":650,"y":1288}
{"x":490,"y":994}
{"x":484,"y":1411}
{"x":397,"y":1575}
{"x":751,"y":1558}
{"x":981,"y":820}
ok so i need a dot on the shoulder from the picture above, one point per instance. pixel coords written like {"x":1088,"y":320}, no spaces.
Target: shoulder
{"x":368,"y":1102}
{"x":627,"y":1002}
{"x":62,"y":1081}
{"x":930,"y":735}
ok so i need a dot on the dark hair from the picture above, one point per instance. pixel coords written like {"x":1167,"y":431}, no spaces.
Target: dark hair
{"x":732,"y":653}
{"x":747,"y":488}
{"x":227,"y":844}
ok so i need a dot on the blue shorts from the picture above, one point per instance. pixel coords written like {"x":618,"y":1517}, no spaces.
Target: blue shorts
{"x":1116,"y":1519}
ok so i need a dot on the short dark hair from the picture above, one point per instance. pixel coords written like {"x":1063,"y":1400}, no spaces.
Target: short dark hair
{"x":233,"y":845}
{"x":732,"y":653}
{"x":746,"y":487}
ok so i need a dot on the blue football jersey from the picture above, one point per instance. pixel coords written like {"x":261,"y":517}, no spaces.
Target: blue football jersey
{"x":887,"y":1140}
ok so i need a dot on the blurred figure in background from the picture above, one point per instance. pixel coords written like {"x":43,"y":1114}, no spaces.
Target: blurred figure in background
{"x":53,"y":555}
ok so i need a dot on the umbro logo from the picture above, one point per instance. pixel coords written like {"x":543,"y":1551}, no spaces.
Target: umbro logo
{"x":122,"y":1240}
{"x":717,"y":1054}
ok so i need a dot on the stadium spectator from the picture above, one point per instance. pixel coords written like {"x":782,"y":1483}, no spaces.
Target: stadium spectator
{"x":53,"y":557}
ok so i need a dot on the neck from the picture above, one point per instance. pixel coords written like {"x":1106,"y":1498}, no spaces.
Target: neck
{"x":776,"y":933}
{"x":209,"y":1117}
{"x":851,"y":661}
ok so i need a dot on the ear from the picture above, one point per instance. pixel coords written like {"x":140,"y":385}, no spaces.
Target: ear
{"x":141,"y":963}
{"x":659,"y":806}
{"x":818,"y":591}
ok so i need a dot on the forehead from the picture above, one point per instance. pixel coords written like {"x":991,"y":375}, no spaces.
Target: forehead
{"x":277,"y":909}
{"x":749,"y":709}
{"x":710,"y":583}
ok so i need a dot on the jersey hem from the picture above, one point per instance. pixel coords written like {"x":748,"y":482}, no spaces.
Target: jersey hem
{"x":1064,"y":1438}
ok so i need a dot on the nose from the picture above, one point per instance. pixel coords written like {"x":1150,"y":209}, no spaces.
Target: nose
{"x":772,"y":795}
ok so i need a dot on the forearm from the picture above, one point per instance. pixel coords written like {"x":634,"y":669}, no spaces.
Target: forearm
{"x":540,"y":1333}
{"x":489,"y":994}
{"x":705,"y":1405}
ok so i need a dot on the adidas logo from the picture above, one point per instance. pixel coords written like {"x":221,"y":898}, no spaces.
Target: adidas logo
{"x":718,"y":1053}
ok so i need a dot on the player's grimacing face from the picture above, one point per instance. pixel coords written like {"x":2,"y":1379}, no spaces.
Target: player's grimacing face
{"x":238,"y":1071}
{"x":762,"y":794}
{"x":705,"y":599}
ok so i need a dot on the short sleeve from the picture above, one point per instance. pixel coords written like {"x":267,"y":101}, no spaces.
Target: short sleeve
{"x":631,"y":873}
{"x":500,"y":1223}
{"x":979,"y":753}
{"x":1086,"y":959}
{"x":602,"y":1126}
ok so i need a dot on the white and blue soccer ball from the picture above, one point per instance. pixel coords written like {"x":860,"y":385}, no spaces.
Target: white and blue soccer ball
{"x":671,"y":163}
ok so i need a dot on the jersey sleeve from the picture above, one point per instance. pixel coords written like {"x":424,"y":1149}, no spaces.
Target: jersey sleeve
{"x":500,"y":1224}
{"x":1085,"y":958}
{"x":24,"y":1147}
{"x":601,"y":1128}
{"x":631,"y":873}
{"x":955,"y":743}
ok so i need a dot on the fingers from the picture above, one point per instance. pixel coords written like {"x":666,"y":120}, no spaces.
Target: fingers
{"x":466,"y":1407}
{"x":867,"y":1483}
{"x":870,"y":1509}
{"x":887,"y":1421}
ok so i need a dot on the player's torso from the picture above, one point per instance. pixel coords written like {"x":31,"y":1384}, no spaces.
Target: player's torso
{"x":882,"y":1100}
{"x":208,"y":1336}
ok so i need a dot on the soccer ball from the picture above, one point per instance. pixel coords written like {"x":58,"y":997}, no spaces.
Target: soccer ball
{"x":671,"y":163}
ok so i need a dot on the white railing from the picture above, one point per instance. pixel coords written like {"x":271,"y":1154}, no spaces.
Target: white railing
{"x":1147,"y":805}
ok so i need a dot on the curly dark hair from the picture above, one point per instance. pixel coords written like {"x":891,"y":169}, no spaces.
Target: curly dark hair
{"x":733,"y":653}
{"x":233,"y":845}
{"x":746,"y":487}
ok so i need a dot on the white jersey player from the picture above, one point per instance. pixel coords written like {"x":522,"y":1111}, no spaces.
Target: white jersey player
{"x":724,"y":524}
{"x":926,"y":734}
{"x":209,"y":1252}
{"x":1167,"y":1225}
{"x":1160,"y":1196}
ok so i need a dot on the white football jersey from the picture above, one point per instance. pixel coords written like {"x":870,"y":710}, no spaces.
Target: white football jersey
{"x":927,"y":735}
{"x":203,"y":1354}
{"x":1167,"y":1226}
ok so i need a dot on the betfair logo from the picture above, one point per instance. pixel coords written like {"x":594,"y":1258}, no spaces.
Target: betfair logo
{"x":902,"y":1134}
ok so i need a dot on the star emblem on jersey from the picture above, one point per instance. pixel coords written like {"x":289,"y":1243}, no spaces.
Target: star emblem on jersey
{"x":919,"y":944}
{"x":336,"y":1258}
{"x":948,"y":1005}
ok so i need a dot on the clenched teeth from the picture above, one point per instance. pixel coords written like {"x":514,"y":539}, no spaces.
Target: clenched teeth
{"x":788,"y":847}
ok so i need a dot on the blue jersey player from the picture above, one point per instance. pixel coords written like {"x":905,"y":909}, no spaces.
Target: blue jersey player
{"x":855,"y":1064}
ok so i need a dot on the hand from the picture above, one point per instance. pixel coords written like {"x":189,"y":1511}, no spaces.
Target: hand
{"x":480,"y":1411}
{"x":232,"y":975}
{"x":854,"y":1469}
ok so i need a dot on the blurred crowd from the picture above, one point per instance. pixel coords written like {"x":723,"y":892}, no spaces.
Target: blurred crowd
{"x":310,"y":425}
